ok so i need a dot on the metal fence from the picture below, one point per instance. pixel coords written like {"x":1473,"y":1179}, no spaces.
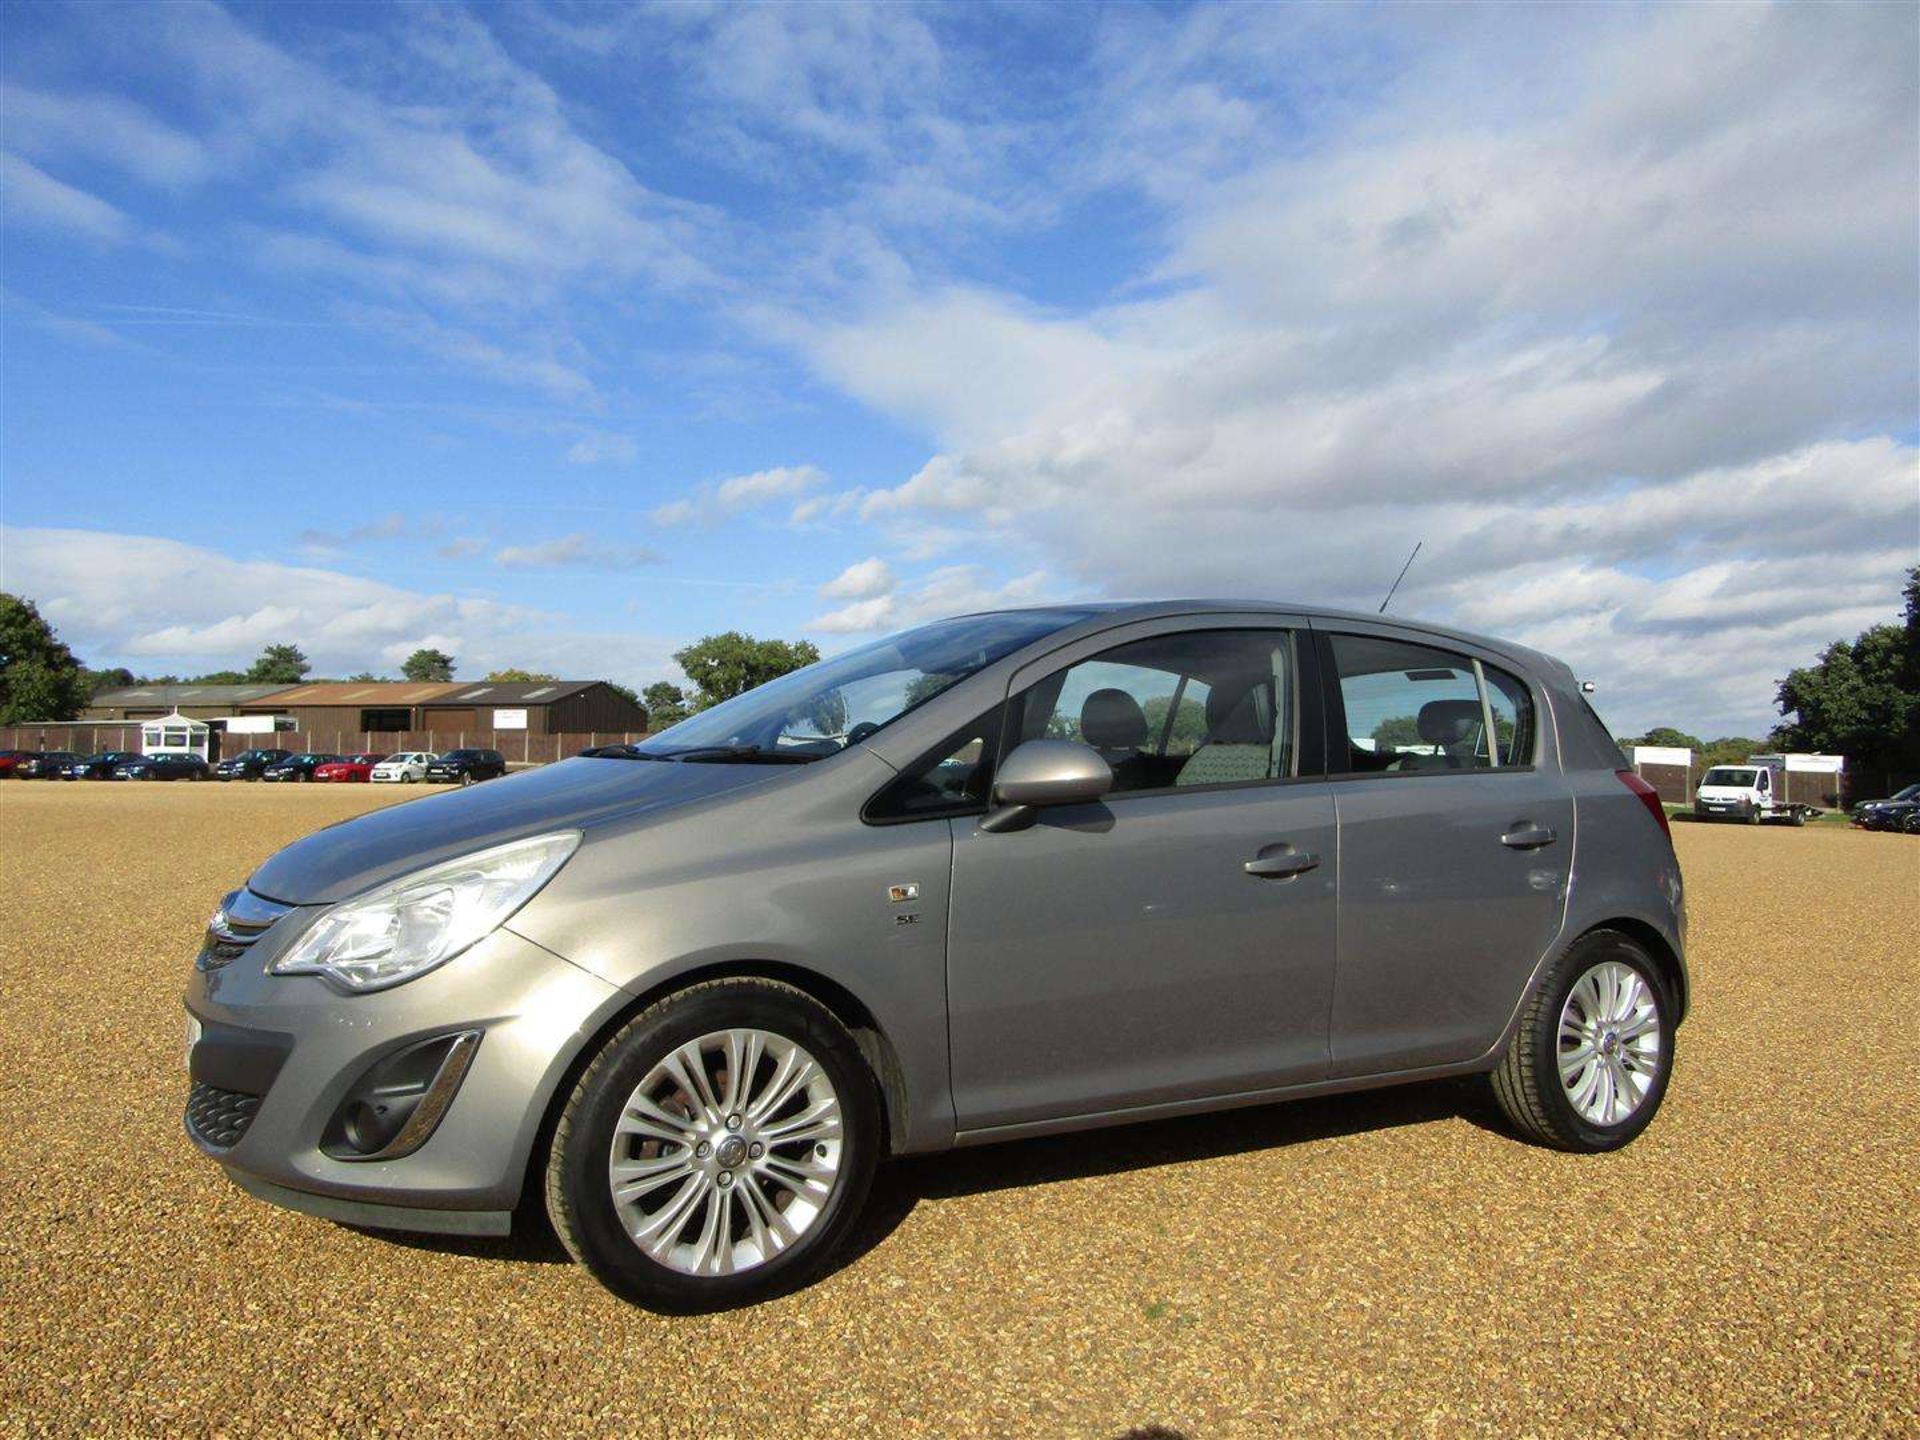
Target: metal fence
{"x":519,"y":747}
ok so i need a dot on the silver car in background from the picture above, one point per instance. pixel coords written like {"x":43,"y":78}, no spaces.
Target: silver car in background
{"x":1004,"y":875}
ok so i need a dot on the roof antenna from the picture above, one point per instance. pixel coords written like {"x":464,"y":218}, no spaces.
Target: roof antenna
{"x":1401,"y":576}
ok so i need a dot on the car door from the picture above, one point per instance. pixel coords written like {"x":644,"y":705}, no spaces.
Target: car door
{"x":1176,"y":940}
{"x":1456,"y":844}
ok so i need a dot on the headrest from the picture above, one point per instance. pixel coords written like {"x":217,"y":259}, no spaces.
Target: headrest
{"x":1113,"y":720}
{"x":1233,"y":715}
{"x":1450,"y":722}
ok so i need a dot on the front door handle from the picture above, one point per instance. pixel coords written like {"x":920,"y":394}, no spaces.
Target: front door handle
{"x":1281,"y":864}
{"x":1527,"y":837}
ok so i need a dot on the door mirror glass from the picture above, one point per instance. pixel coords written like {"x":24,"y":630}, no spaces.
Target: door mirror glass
{"x":1046,"y":772}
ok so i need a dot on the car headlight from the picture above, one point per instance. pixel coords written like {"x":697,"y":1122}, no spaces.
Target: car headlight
{"x":408,"y":926}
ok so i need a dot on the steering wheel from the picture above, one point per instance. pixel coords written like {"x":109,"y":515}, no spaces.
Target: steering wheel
{"x":860,"y":732}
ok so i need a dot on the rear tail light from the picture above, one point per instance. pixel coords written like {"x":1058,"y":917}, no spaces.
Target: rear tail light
{"x":1649,"y":797}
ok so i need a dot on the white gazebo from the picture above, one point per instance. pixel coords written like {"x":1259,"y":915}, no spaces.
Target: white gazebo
{"x":175,"y":734}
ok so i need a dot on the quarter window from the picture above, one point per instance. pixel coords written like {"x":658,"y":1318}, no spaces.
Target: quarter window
{"x":1513,"y":721}
{"x":1202,"y":708}
{"x":950,"y":781}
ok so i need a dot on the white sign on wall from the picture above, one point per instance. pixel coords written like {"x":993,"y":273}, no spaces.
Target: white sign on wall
{"x":509,"y":719}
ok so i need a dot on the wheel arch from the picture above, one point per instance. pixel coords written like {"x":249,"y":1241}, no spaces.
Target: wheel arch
{"x":1649,"y":938}
{"x":842,"y":1003}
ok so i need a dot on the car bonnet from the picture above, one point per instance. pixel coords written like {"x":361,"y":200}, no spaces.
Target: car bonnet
{"x":579,"y":794}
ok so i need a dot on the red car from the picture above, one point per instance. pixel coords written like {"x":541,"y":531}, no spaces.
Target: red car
{"x":10,"y":759}
{"x":348,"y":768}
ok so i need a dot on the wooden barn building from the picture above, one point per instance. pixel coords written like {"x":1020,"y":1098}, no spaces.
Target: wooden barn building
{"x":538,"y":707}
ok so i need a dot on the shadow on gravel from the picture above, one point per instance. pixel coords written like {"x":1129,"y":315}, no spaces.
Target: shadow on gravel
{"x":903,"y":1184}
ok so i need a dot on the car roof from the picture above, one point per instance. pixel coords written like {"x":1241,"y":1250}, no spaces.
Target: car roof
{"x":1104,"y":614}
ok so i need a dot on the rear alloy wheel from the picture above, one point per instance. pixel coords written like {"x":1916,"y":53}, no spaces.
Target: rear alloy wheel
{"x":1588,"y":1068}
{"x":718,"y":1150}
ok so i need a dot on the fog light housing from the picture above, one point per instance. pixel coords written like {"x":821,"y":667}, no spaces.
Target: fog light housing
{"x":395,"y":1107}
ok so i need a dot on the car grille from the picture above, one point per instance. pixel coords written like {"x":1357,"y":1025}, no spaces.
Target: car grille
{"x":219,"y":1117}
{"x":243,"y":917}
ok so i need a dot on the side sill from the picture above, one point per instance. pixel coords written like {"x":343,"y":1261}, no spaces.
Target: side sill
{"x":1100,"y":1119}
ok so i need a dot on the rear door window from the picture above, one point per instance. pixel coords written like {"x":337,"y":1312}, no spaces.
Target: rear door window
{"x":1414,"y":708}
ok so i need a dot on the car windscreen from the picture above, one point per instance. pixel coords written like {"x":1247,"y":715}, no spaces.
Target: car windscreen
{"x":1735,"y":779}
{"x":839,"y":702}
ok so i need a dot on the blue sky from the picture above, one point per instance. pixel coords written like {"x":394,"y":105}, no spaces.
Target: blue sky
{"x":558,"y":336}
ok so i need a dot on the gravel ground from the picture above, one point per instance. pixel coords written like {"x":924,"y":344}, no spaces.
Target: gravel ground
{"x":1388,"y":1261}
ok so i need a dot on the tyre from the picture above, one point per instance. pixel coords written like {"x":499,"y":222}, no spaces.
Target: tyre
{"x":1753,"y":815}
{"x":466,"y":777}
{"x":1589,"y":1065}
{"x":717,"y":1150}
{"x":406,"y":779}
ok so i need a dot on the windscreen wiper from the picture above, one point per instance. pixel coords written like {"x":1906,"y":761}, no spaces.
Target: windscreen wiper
{"x":627,"y":752}
{"x":739,"y":755}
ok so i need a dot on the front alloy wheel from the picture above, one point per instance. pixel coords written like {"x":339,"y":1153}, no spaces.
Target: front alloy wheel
{"x":718,"y":1149}
{"x":726,"y":1152}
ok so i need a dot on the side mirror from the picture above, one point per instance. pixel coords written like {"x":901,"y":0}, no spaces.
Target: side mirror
{"x":1042,"y":773}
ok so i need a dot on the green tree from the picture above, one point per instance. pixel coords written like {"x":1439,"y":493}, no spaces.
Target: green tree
{"x":428,"y":665}
{"x":1861,"y":699}
{"x":723,"y":666}
{"x":1189,"y":725}
{"x":1728,"y":750}
{"x":39,"y":677}
{"x":212,"y":677}
{"x":666,"y":705}
{"x":512,"y":675}
{"x":1668,"y":736}
{"x":279,"y":665}
{"x":119,"y":677}
{"x":1396,"y":730}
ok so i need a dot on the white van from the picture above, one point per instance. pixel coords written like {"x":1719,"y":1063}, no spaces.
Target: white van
{"x":1752,"y":792}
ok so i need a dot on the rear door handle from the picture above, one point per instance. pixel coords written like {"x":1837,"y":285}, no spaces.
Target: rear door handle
{"x":1281,"y":864}
{"x":1527,"y":837}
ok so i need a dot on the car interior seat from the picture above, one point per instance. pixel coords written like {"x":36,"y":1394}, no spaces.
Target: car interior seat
{"x":1454,"y":727}
{"x":1239,"y":743}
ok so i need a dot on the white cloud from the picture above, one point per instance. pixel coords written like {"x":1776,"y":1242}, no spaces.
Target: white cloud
{"x":577,"y":551}
{"x":951,"y":590}
{"x":598,"y":447}
{"x":1633,"y":353}
{"x":739,"y":494}
{"x":863,"y":578}
{"x":162,"y":605}
{"x":106,"y":128}
{"x":35,"y":197}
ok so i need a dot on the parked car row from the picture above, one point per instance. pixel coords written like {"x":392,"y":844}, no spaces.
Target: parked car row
{"x":1899,"y":811}
{"x":456,"y":767}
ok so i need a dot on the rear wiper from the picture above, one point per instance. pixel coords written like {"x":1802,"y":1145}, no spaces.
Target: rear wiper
{"x":739,"y":755}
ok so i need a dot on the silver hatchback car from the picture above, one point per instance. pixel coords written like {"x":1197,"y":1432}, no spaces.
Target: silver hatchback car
{"x":1004,"y":875}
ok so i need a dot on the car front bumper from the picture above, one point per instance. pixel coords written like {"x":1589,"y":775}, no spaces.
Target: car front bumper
{"x":277,"y":1058}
